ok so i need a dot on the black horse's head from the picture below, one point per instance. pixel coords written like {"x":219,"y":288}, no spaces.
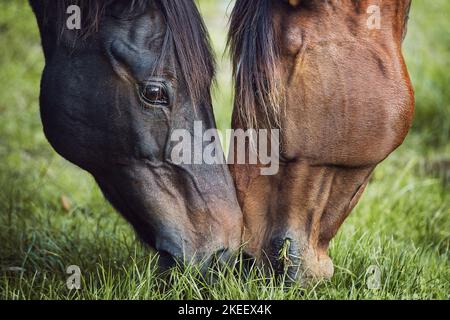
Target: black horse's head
{"x":112,"y":94}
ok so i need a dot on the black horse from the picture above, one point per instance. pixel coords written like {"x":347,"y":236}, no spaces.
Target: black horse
{"x":112,"y":93}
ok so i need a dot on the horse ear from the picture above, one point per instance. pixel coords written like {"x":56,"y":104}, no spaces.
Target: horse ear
{"x":294,"y":3}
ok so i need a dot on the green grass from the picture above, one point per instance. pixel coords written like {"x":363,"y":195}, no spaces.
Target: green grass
{"x":401,"y":226}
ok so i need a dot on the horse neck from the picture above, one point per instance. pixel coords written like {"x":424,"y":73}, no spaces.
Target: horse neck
{"x":39,"y":10}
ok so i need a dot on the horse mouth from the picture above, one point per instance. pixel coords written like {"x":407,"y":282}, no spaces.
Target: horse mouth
{"x":222,"y":258}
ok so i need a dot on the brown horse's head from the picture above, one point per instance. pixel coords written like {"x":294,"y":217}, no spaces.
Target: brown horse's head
{"x":331,"y":76}
{"x":113,"y":93}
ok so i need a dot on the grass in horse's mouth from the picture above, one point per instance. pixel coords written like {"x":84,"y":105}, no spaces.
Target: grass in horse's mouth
{"x":284,"y":255}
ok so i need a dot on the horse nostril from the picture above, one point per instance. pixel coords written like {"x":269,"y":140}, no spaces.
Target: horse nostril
{"x":166,"y":260}
{"x":221,"y":253}
{"x":219,"y":260}
{"x":223,"y":257}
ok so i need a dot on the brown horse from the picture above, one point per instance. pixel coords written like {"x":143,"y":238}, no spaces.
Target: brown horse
{"x":334,"y":82}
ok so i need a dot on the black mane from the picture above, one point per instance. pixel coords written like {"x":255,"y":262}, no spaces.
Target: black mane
{"x":254,"y":52}
{"x":186,"y":33}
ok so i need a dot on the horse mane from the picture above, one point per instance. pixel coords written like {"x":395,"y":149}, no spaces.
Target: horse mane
{"x":254,"y":53}
{"x":406,"y":20}
{"x":186,"y":34}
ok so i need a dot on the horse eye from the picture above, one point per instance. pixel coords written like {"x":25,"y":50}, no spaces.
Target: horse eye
{"x":154,"y":94}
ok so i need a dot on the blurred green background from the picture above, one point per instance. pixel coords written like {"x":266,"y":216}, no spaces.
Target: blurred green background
{"x":52,"y":214}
